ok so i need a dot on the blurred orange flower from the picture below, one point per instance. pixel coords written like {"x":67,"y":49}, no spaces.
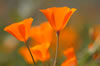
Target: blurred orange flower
{"x":96,"y":55}
{"x":68,"y":38}
{"x":69,"y":53}
{"x":25,"y":53}
{"x":90,"y":47}
{"x":71,"y":58}
{"x":39,"y":52}
{"x":42,"y":33}
{"x":96,"y":32}
{"x":20,"y":30}
{"x":70,"y":62}
{"x":58,"y":16}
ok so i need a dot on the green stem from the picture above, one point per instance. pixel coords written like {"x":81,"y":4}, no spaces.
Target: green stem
{"x":30,"y":52}
{"x":57,"y":46}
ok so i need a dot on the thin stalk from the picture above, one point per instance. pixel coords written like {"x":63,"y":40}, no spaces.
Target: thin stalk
{"x":30,"y":52}
{"x":57,"y":46}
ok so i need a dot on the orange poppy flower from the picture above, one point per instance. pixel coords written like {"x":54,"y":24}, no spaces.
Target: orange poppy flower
{"x":71,"y":58}
{"x":20,"y":30}
{"x":58,"y":16}
{"x":39,"y":52}
{"x":42,"y":33}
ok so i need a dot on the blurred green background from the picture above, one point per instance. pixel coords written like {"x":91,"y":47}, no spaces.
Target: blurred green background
{"x":86,"y":16}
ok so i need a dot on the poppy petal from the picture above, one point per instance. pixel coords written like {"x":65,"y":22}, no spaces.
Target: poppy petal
{"x":59,"y":14}
{"x":41,"y":51}
{"x":67,"y":16}
{"x":20,"y":30}
{"x":49,"y":15}
{"x":69,"y":53}
{"x":70,"y":62}
{"x":12,"y":29}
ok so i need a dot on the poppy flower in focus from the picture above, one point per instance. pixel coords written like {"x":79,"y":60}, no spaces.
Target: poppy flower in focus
{"x":42,"y":33}
{"x":58,"y":17}
{"x":39,"y":52}
{"x":20,"y":30}
{"x":71,"y":58}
